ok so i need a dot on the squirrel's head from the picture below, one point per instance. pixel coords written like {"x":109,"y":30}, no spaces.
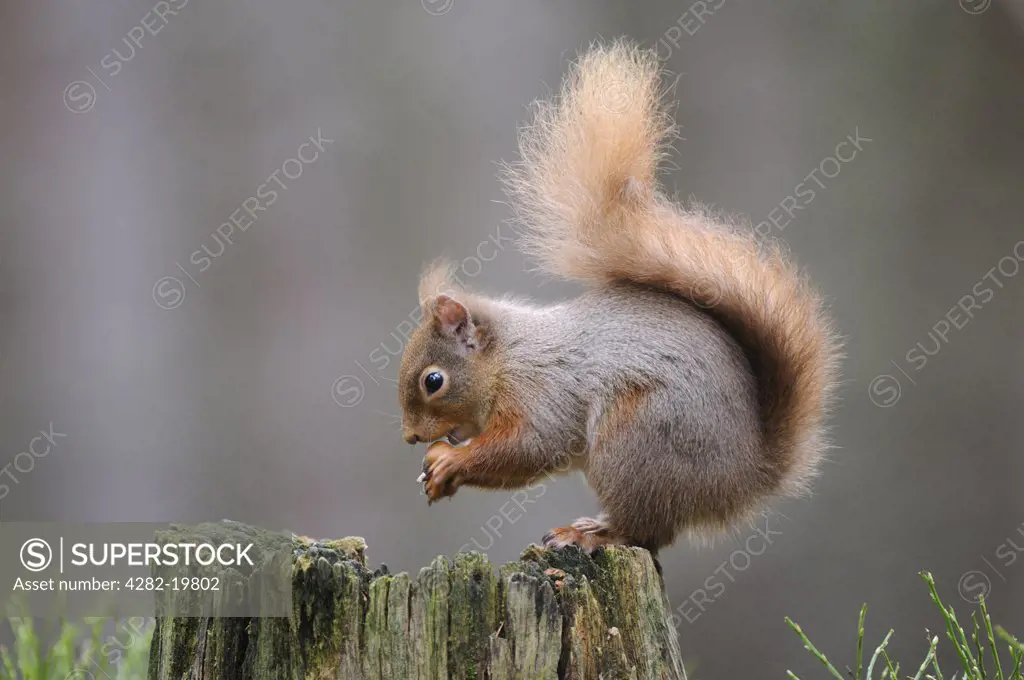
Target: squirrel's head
{"x":441,"y":382}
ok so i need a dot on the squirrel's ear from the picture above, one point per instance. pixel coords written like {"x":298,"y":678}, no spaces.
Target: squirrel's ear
{"x":454,"y":320}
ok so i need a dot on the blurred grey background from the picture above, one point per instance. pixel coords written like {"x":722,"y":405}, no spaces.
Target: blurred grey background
{"x":266,"y":394}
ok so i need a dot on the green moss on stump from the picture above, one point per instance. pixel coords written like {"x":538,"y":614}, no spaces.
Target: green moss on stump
{"x":550,"y":615}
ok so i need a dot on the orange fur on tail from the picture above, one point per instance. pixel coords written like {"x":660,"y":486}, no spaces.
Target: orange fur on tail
{"x":587,"y":200}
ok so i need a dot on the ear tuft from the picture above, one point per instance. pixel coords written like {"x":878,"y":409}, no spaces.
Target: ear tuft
{"x":435,"y":280}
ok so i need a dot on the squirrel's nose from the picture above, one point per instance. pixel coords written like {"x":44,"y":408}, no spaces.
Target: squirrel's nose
{"x":411,"y":438}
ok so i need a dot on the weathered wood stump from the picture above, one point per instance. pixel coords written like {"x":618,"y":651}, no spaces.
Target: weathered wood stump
{"x":553,"y":614}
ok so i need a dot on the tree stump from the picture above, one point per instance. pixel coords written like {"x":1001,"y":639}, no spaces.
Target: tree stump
{"x":554,"y":614}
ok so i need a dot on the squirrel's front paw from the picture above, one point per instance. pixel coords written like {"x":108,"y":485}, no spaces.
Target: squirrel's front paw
{"x":442,"y":471}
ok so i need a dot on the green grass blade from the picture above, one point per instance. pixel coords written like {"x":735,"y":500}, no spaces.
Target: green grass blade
{"x":93,"y":654}
{"x":26,"y":648}
{"x":137,"y":654}
{"x":1018,"y":658}
{"x":976,"y":639}
{"x":991,"y":639}
{"x":809,"y":646}
{"x":938,"y":671}
{"x":951,"y":624}
{"x":860,"y":640}
{"x":61,"y":658}
{"x":927,"y":659}
{"x":1016,"y":652}
{"x":894,"y":671}
{"x":878,"y":652}
{"x":1010,"y":639}
{"x":9,"y":672}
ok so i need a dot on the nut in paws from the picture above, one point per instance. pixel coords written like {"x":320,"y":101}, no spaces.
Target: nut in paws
{"x":442,"y":471}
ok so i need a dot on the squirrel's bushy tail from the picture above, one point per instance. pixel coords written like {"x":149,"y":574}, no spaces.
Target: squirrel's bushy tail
{"x":587,"y":201}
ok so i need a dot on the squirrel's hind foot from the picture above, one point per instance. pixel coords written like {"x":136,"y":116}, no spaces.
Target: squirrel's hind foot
{"x":587,"y":533}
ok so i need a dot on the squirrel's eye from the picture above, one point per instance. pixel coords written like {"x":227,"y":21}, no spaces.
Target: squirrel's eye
{"x":433,"y":382}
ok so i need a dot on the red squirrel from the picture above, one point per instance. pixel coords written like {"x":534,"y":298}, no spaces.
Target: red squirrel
{"x":690,"y":383}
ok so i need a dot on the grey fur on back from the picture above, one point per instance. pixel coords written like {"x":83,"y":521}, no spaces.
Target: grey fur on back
{"x":696,"y":419}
